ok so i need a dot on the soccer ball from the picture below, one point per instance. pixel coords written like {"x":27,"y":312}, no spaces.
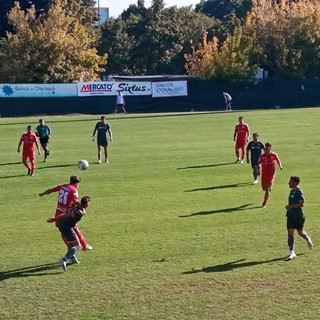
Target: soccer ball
{"x":83,"y":164}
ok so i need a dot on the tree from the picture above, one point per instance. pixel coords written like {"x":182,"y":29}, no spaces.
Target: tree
{"x":6,"y":6}
{"x":228,"y":62}
{"x":53,"y":47}
{"x":221,"y":9}
{"x":286,"y":36}
{"x":152,"y":41}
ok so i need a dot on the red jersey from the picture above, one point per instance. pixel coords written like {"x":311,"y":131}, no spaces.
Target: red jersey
{"x":28,"y":139}
{"x":268,"y":163}
{"x":68,"y":194}
{"x":242,"y":131}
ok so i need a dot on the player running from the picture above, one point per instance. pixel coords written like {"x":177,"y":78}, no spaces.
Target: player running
{"x":295,"y":215}
{"x":29,"y":139}
{"x":67,"y":197}
{"x":268,"y":161}
{"x":241,"y":137}
{"x":255,"y":148}
{"x":43,"y":132}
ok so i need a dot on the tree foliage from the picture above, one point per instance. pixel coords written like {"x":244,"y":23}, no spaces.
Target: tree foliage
{"x":221,"y":9}
{"x":228,"y":62}
{"x":281,"y":36}
{"x":151,"y":41}
{"x":286,"y":36}
{"x":52,"y":47}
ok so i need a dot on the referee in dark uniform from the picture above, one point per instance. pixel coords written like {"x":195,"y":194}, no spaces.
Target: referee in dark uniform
{"x":295,"y":215}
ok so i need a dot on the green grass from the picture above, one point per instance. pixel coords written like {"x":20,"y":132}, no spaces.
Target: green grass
{"x":177,"y":228}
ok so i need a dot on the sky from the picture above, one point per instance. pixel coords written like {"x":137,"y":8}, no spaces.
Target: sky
{"x":117,"y":6}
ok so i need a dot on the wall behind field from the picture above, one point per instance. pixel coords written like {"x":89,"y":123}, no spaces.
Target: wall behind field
{"x":202,"y":96}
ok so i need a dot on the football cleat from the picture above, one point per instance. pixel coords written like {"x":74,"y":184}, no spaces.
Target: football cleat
{"x":292,"y":255}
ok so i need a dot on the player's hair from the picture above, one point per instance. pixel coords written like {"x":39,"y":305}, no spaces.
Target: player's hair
{"x":296,"y":179}
{"x":241,"y":117}
{"x":29,"y":127}
{"x":103,"y":117}
{"x":268,"y":144}
{"x":85,"y":200}
{"x":74,"y":179}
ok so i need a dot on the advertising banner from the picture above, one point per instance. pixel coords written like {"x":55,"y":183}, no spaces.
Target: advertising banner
{"x":169,"y":89}
{"x":110,"y":88}
{"x":32,"y":90}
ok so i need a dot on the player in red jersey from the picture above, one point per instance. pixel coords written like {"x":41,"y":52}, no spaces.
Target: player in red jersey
{"x":67,"y":197}
{"x":241,"y":137}
{"x":268,"y":162}
{"x":29,"y":139}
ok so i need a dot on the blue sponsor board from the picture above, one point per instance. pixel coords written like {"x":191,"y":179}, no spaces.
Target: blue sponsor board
{"x":23,"y":90}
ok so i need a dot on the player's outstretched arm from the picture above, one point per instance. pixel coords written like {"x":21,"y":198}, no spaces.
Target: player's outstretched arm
{"x":44,"y":193}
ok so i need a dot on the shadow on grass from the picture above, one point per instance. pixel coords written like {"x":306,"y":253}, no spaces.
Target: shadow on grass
{"x":56,"y":166}
{"x":207,"y":166}
{"x":41,"y":168}
{"x":9,"y":163}
{"x":64,"y":117}
{"x":229,"y":266}
{"x":33,"y":271}
{"x":226,"y":210}
{"x":235,"y":185}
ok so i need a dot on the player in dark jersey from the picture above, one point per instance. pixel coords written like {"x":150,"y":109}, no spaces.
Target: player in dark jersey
{"x":103,"y":129}
{"x":67,"y":222}
{"x":255,"y":148}
{"x":43,"y":132}
{"x":295,"y":215}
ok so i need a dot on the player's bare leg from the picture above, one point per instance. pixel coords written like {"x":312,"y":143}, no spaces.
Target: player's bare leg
{"x":81,"y":238}
{"x":99,"y":154}
{"x":46,"y":152}
{"x":26,"y":164}
{"x":305,"y":236}
{"x":266,"y":189}
{"x":237,"y":154}
{"x":33,"y":167}
{"x":242,"y":154}
{"x":106,"y":159}
{"x":256,"y":174}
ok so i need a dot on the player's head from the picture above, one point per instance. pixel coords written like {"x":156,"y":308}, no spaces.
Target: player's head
{"x":29,"y":128}
{"x":103,"y":119}
{"x":294,"y":181}
{"x":255,"y":136}
{"x":119,"y":92}
{"x":41,"y":121}
{"x":75,"y":180}
{"x":267,"y":147}
{"x":85,"y":201}
{"x":241,"y":119}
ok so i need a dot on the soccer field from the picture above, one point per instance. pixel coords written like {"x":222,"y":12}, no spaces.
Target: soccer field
{"x":177,"y":228}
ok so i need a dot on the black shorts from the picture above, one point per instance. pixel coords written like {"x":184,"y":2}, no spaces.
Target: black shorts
{"x":44,"y":141}
{"x":102,"y":142}
{"x":295,"y":221}
{"x":69,"y":236}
